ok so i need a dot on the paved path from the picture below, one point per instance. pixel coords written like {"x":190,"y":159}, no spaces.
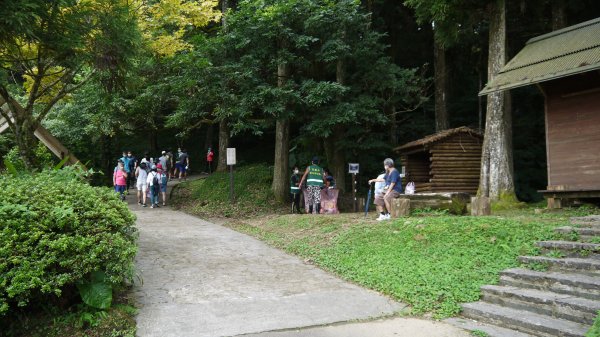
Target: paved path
{"x":202,"y":279}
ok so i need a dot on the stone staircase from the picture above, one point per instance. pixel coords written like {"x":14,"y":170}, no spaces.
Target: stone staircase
{"x":561,"y":301}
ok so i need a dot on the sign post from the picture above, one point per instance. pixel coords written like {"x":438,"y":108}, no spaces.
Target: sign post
{"x":231,"y":160}
{"x":353,"y":169}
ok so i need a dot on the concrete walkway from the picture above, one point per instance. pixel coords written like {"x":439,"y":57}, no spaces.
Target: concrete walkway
{"x":202,"y":279}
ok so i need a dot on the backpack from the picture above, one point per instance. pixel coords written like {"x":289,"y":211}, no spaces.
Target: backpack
{"x":410,"y":188}
{"x":155,"y":181}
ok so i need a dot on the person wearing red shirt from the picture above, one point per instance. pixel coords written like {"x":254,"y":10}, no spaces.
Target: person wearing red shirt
{"x":210,"y":155}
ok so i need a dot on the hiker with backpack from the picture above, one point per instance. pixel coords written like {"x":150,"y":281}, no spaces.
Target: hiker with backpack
{"x":154,"y":180}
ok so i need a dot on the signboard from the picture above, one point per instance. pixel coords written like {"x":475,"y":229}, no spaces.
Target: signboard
{"x":231,"y":156}
{"x":353,"y":168}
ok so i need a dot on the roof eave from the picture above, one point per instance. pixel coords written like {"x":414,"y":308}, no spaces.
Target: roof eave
{"x":491,"y":89}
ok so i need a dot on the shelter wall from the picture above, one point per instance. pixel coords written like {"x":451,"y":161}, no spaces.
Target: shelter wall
{"x":573,"y":132}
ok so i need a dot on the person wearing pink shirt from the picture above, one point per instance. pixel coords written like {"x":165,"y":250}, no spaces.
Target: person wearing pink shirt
{"x":120,"y":179}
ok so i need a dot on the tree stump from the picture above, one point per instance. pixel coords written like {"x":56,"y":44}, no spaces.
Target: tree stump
{"x":400,"y":207}
{"x":480,"y":206}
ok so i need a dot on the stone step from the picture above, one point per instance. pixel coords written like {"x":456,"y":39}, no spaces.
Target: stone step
{"x":571,"y":248}
{"x":523,"y":321}
{"x":578,"y":285}
{"x":585,"y":265}
{"x":489,"y":329}
{"x":583,"y":233}
{"x":586,"y":221}
{"x":576,"y":309}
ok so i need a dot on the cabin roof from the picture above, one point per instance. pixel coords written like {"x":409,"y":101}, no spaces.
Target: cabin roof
{"x":437,"y":137}
{"x":565,"y":52}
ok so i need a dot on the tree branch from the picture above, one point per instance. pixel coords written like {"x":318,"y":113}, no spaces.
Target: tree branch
{"x":61,"y":94}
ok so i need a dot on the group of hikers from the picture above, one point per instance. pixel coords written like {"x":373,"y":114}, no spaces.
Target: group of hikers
{"x":149,"y":175}
{"x":388,"y":186}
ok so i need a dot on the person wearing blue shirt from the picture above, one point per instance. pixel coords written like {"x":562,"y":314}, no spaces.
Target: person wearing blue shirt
{"x":392,"y":189}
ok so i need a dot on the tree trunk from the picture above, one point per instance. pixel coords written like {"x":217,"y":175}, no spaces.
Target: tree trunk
{"x":281,"y":182}
{"x":22,"y":127}
{"x":559,"y":16}
{"x":496,"y":176}
{"x":388,"y":110}
{"x":336,"y":154}
{"x":223,"y":145}
{"x":336,"y":158}
{"x":441,"y":86}
{"x":208,"y":142}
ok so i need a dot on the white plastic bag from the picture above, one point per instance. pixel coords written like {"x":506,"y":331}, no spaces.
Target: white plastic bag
{"x":410,"y":188}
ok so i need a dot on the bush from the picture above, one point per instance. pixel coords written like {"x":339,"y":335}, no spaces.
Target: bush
{"x":55,"y":231}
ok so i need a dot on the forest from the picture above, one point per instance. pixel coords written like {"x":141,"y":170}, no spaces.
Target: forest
{"x":280,"y":80}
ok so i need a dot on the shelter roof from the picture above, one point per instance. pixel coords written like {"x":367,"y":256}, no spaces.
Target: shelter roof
{"x":437,"y":137}
{"x":565,"y":52}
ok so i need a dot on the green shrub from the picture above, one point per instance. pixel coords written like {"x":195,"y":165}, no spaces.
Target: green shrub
{"x":55,"y":231}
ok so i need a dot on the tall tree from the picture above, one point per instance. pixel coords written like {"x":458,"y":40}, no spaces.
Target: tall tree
{"x":559,"y":14}
{"x":67,"y":44}
{"x":496,"y":178}
{"x":441,"y":85}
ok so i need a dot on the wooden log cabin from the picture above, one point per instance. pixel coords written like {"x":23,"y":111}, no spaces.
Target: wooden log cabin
{"x":448,"y":161}
{"x":565,"y":66}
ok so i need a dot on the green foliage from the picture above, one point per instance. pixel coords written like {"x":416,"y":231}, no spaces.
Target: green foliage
{"x":431,"y":263}
{"x":97,"y":291}
{"x":55,"y":231}
{"x":210,"y":196}
{"x":76,"y":321}
{"x":594,"y":330}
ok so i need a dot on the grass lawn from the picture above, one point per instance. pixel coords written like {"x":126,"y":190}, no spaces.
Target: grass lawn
{"x":209,"y":197}
{"x":432,"y":262}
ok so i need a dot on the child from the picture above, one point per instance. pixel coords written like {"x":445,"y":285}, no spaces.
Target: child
{"x":154,"y":180}
{"x":295,"y":190}
{"x":163,"y":183}
{"x":120,"y":179}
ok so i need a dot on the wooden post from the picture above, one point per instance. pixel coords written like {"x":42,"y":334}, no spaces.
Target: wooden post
{"x":480,"y":206}
{"x":554,"y":203}
{"x":354,"y":192}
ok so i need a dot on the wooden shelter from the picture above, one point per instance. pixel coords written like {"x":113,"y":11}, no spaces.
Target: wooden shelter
{"x":448,"y":161}
{"x":565,"y":65}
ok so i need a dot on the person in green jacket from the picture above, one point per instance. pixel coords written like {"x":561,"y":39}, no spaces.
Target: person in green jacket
{"x":295,"y":190}
{"x":314,"y":178}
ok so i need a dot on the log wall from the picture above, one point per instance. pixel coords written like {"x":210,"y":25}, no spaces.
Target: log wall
{"x":448,"y":165}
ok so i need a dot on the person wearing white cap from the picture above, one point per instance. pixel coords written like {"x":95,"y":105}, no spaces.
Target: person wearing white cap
{"x":153,"y":181}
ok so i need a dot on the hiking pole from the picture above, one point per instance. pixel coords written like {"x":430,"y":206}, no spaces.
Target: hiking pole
{"x":368,"y":200}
